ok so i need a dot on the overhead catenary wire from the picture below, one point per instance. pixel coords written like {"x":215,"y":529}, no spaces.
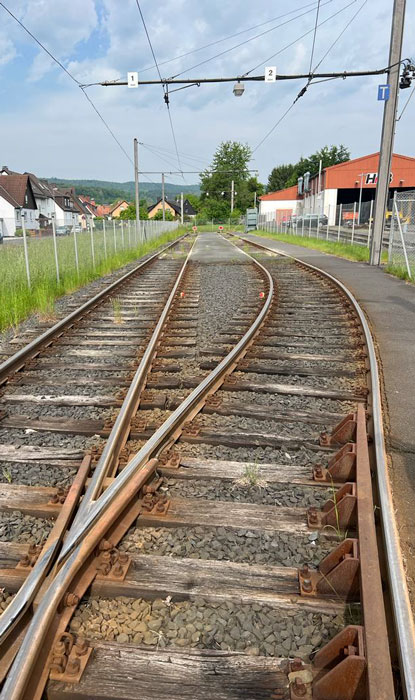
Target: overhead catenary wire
{"x":406,"y":103}
{"x":72,"y":77}
{"x":295,"y":41}
{"x":303,"y":90}
{"x":314,"y":36}
{"x":227,"y":38}
{"x":243,"y":43}
{"x":165,"y":89}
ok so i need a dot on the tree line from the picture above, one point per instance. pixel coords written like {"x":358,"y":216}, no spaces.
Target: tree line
{"x":231,"y":163}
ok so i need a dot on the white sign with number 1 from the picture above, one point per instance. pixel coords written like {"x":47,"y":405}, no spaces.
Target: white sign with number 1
{"x":270,"y":74}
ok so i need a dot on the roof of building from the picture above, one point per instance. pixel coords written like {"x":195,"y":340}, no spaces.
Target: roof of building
{"x":287,"y":193}
{"x":118,"y":204}
{"x":103,"y":209}
{"x":17,"y":186}
{"x":187,"y":207}
{"x":41,"y":188}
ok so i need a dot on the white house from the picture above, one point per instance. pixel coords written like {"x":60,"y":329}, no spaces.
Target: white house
{"x":44,"y":197}
{"x":279,"y":206}
{"x":17,"y":199}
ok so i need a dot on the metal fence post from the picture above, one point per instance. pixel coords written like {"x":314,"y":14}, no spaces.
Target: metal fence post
{"x":55,"y":249}
{"x":309,"y":229}
{"x":408,"y":269}
{"x":92,"y":245}
{"x":129,"y":233}
{"x":302,"y":226}
{"x":75,"y":242}
{"x":328,"y":219}
{"x":340,"y":222}
{"x":115,"y":236}
{"x":353,"y":223}
{"x":26,"y":254}
{"x":392,"y":229}
{"x":122,"y":234}
{"x":370,"y":223}
{"x":105,"y":238}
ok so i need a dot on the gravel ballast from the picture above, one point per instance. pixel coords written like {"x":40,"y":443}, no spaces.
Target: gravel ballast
{"x":228,"y":544}
{"x":252,"y":629}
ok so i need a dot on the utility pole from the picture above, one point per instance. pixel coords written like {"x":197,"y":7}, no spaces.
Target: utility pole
{"x":181,"y":209}
{"x":137,"y":191}
{"x":163,"y":199}
{"x":388,"y":130}
{"x":232,"y":194}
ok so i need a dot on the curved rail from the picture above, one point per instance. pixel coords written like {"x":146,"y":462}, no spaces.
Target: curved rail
{"x":114,"y":444}
{"x":83,"y":539}
{"x":405,"y":628}
{"x":19,"y":358}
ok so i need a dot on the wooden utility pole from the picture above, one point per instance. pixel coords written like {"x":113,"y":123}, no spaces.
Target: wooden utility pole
{"x":388,"y":131}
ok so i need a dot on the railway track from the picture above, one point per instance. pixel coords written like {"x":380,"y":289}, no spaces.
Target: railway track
{"x":226,"y":542}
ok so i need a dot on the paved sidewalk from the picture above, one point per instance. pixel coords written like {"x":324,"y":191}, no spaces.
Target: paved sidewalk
{"x":389,"y":304}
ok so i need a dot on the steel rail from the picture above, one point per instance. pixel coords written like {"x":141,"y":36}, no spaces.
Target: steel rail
{"x":82,"y":540}
{"x":19,"y":358}
{"x":404,"y":622}
{"x":113,"y":445}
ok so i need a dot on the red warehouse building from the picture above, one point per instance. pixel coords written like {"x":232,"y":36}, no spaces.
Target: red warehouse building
{"x":348,"y":184}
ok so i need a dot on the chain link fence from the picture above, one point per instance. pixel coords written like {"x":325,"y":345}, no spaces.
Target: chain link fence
{"x":401,"y":226}
{"x":63,"y":248}
{"x":342,"y":223}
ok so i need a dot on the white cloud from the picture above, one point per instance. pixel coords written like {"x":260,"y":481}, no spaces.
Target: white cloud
{"x":7,"y":50}
{"x":72,"y":142}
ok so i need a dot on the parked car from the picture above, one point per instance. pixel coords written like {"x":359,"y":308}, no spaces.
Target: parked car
{"x":310,"y":220}
{"x":63,"y":230}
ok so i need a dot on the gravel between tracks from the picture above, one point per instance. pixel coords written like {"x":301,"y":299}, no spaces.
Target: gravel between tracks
{"x":16,"y":527}
{"x":253,"y":629}
{"x":228,"y":544}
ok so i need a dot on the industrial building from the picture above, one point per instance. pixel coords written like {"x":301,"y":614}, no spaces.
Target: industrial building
{"x":347,"y":189}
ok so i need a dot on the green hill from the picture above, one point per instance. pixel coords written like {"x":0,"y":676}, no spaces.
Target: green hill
{"x":106,"y":192}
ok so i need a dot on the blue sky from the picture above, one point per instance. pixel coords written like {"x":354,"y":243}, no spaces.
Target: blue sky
{"x":48,"y":127}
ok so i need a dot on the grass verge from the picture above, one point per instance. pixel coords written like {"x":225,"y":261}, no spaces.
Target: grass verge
{"x":17,"y":301}
{"x":343,"y":250}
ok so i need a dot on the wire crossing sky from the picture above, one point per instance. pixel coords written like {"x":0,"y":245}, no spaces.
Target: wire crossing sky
{"x":92,"y":138}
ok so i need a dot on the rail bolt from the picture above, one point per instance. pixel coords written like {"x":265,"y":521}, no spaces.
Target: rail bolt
{"x":81,"y":647}
{"x":25,"y":560}
{"x":299,"y":687}
{"x":306,"y":585}
{"x":104,"y":545}
{"x":70,"y":600}
{"x":305,"y":571}
{"x":318,"y":471}
{"x":73,"y":667}
{"x":123,"y":558}
{"x":312,"y":515}
{"x":296,"y":665}
{"x":118,"y":570}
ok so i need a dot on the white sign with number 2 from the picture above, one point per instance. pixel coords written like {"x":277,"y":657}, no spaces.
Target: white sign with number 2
{"x":270,"y":74}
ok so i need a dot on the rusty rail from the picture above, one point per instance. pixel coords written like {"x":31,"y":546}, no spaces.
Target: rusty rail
{"x":31,"y":586}
{"x":112,"y":503}
{"x":18,"y":360}
{"x":403,"y":617}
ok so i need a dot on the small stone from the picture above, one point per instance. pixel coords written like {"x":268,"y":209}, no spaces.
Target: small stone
{"x":252,"y":651}
{"x":122,"y":638}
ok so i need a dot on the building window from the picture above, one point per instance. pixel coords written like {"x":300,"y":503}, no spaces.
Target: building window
{"x":25,"y":199}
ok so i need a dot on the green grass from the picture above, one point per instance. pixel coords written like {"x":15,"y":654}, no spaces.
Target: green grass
{"x":343,"y":250}
{"x":400,"y":271}
{"x":17,"y":301}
